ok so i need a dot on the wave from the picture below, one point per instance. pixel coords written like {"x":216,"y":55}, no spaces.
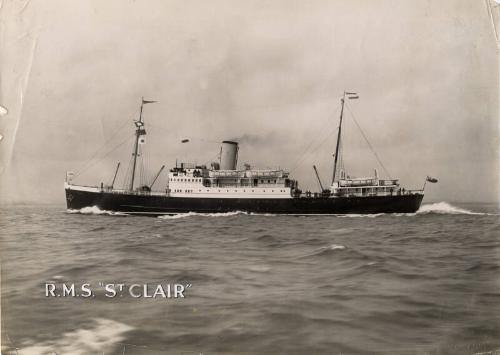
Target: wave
{"x":436,"y":208}
{"x":326,"y":250}
{"x":446,"y":208}
{"x":334,"y":247}
{"x":95,"y":211}
{"x":193,"y":214}
{"x":102,"y":337}
{"x":258,"y":268}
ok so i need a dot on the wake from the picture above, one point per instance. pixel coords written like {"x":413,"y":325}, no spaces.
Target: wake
{"x":442,"y":208}
{"x":94,"y":210}
{"x":195,"y":214}
{"x":446,"y":208}
{"x":103,"y":336}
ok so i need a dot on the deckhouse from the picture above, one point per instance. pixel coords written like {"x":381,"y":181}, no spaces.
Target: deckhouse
{"x":190,"y":180}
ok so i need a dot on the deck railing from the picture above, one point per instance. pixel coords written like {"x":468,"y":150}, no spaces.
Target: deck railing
{"x":309,"y":194}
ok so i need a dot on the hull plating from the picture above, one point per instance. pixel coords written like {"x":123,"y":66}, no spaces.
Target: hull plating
{"x":157,"y":205}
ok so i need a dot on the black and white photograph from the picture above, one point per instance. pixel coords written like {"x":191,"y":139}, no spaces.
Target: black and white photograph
{"x":250,"y":177}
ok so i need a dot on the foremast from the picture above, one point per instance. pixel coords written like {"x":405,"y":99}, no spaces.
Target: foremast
{"x":139,"y":132}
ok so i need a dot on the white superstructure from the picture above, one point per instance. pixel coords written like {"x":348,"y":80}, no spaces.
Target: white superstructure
{"x":189,"y":180}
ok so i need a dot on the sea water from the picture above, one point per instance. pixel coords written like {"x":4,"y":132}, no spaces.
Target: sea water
{"x":421,"y":283}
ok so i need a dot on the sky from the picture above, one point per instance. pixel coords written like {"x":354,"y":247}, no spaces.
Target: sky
{"x":269,"y":74}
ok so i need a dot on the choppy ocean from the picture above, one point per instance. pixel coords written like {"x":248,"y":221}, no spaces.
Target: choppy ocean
{"x":424,"y":283}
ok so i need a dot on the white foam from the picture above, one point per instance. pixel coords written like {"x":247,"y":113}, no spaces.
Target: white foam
{"x":263,"y":214}
{"x":320,"y":250}
{"x":357,"y":215}
{"x":259,"y":268}
{"x":95,"y":210}
{"x":445,"y":208}
{"x":439,"y":207}
{"x":193,"y":214}
{"x":102,"y":337}
{"x":334,"y":247}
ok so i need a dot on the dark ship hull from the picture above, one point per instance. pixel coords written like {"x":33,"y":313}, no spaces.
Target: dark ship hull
{"x":145,"y":204}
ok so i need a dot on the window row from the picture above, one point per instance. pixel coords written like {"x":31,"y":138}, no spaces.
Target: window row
{"x":186,"y":180}
{"x":180,"y":190}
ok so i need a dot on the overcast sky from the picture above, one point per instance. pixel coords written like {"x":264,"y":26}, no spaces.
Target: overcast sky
{"x":267,"y":73}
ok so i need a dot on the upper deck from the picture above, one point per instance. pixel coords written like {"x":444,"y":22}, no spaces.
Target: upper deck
{"x":368,"y":186}
{"x":188,"y":180}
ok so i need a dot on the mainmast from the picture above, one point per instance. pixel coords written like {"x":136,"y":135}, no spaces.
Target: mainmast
{"x":351,"y":96}
{"x":140,"y":131}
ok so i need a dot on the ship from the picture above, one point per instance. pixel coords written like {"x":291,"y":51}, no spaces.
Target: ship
{"x":221,"y":187}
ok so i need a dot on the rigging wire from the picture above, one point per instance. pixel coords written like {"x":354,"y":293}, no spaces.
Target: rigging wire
{"x":341,"y":156}
{"x":141,"y":167}
{"x":145,"y":166}
{"x":306,"y":151}
{"x":211,"y":160}
{"x":128,"y":175}
{"x":104,"y":156}
{"x":109,"y":141}
{"x":150,"y":173}
{"x":368,"y":142}
{"x":190,"y":137}
{"x":315,"y":149}
{"x":141,"y":164}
